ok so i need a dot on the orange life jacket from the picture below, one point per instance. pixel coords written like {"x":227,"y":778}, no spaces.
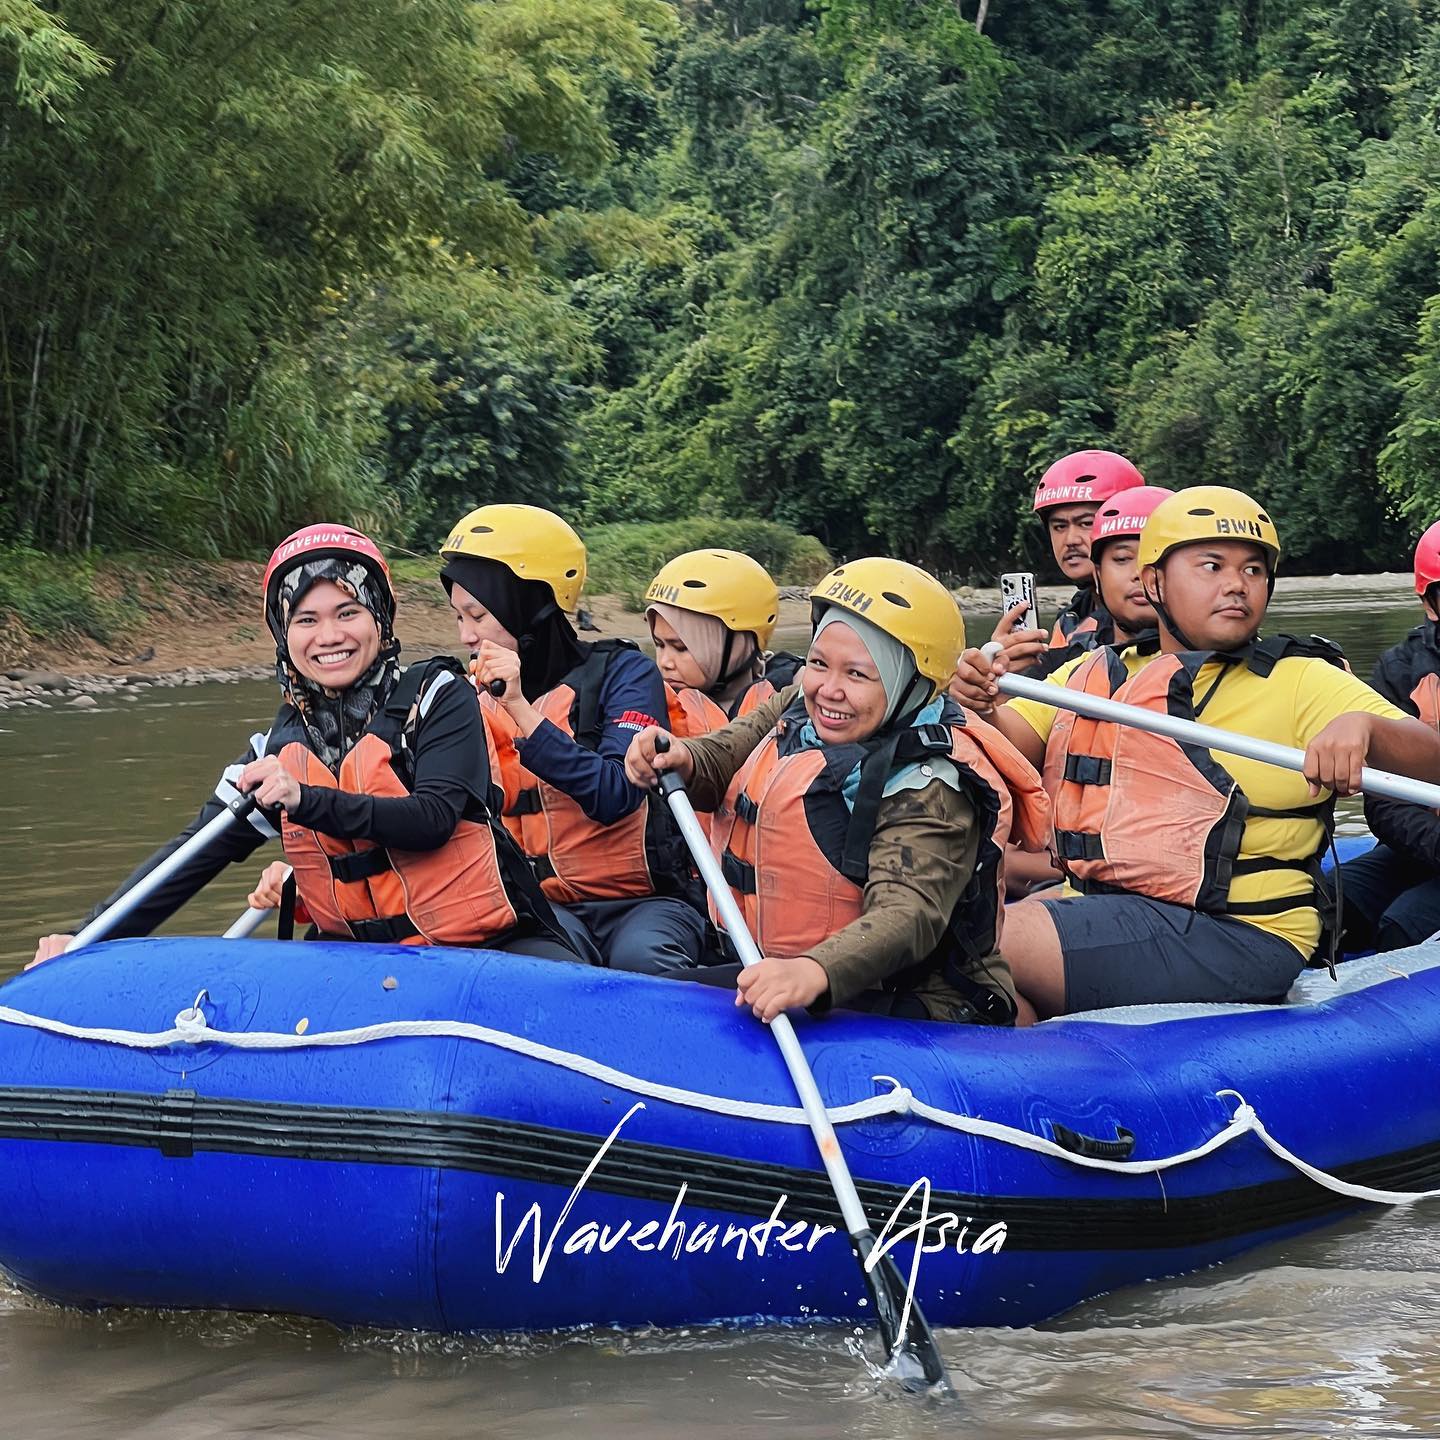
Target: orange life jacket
{"x":573,"y":856}
{"x":455,"y":895}
{"x":1426,"y":698}
{"x":1149,"y":815}
{"x":692,"y":713}
{"x":797,"y":857}
{"x":1068,"y":630}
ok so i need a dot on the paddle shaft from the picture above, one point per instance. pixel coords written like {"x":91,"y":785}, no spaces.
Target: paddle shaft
{"x":673,"y":788}
{"x":903,"y":1327}
{"x":1191,"y":732}
{"x":238,"y":809}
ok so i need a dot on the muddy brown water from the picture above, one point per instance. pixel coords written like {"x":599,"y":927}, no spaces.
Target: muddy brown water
{"x":1335,"y":1332}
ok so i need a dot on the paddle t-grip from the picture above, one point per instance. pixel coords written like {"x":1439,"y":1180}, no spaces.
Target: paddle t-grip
{"x":669,"y":782}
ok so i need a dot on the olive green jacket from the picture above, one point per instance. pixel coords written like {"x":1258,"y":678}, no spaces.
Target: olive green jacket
{"x":922,"y":857}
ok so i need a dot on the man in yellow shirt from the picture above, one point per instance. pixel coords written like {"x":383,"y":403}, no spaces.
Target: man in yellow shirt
{"x":1191,"y":873}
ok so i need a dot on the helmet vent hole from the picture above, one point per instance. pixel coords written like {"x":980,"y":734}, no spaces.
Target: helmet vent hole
{"x":571,"y":574}
{"x":694,"y":584}
{"x":1202,"y":511}
{"x":482,"y":530}
{"x":895,"y":599}
{"x":1264,"y":517}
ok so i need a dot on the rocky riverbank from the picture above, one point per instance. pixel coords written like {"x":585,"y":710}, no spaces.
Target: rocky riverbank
{"x":214,"y":638}
{"x":44,"y":688}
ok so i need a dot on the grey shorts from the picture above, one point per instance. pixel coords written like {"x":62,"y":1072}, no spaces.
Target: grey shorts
{"x":1131,"y":950}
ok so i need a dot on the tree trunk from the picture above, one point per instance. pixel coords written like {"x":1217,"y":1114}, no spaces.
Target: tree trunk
{"x":980,"y":15}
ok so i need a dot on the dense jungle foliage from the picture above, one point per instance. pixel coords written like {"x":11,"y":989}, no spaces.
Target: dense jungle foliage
{"x":862,"y":267}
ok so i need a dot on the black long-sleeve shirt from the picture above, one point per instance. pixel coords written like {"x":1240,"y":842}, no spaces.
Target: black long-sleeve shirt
{"x":451,"y":783}
{"x":1409,"y":829}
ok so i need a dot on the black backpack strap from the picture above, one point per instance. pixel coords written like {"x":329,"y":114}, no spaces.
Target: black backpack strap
{"x":586,"y":680}
{"x":1265,"y":654}
{"x":899,"y":747}
{"x":782,"y":667}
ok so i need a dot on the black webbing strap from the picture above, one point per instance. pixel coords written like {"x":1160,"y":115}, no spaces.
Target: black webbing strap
{"x":746,"y":808}
{"x":362,"y":865}
{"x":875,"y":770}
{"x":387,"y":931}
{"x":527,"y":802}
{"x":285,"y":921}
{"x":1087,"y":769}
{"x":739,"y":874}
{"x":542,"y":868}
{"x":1078,"y":845}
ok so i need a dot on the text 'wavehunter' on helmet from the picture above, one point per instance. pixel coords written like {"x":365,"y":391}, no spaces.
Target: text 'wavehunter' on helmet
{"x":731,"y":587}
{"x":532,"y":543}
{"x":1088,"y":477}
{"x":906,"y":603}
{"x":1123,"y":516}
{"x":315,"y":542}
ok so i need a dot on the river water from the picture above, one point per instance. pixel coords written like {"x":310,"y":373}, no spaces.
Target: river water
{"x":1335,"y":1332}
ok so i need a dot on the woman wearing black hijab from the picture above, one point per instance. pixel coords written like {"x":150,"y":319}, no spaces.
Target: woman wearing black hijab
{"x":560,"y":728}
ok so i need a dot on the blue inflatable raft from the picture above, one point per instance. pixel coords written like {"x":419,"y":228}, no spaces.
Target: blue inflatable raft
{"x":462,"y":1140}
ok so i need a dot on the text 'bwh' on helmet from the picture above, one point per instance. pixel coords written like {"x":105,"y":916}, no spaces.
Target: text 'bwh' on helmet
{"x":1209,"y":512}
{"x":906,"y":603}
{"x":731,"y":587}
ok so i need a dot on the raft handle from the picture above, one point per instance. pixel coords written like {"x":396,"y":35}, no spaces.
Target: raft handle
{"x":177,"y":1124}
{"x":1120,"y":1148}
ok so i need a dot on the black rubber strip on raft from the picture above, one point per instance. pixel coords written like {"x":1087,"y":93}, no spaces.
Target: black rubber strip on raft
{"x":181,"y":1123}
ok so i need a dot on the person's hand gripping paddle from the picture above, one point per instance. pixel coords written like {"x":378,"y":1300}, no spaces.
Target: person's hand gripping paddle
{"x":903,"y":1327}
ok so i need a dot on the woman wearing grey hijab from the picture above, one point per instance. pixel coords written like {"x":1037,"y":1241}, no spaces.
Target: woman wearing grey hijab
{"x":861,"y":816}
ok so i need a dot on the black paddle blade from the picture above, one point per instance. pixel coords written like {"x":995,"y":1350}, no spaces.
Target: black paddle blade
{"x":913,"y":1351}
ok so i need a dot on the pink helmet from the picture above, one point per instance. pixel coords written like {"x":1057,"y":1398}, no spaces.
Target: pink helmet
{"x":1123,"y":516}
{"x":1088,"y":477}
{"x":1427,"y":559}
{"x":311,"y":542}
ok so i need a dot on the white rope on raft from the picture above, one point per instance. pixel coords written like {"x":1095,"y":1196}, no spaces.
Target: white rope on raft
{"x":191,"y":1028}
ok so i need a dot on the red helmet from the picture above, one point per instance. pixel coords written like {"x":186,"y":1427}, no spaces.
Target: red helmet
{"x":1088,"y":477}
{"x":1123,"y":516}
{"x":312,"y":542}
{"x":1427,"y":559}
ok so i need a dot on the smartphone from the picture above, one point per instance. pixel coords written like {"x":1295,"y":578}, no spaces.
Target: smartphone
{"x":1019,"y":588}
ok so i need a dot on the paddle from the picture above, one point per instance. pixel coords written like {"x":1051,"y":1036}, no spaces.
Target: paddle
{"x":1190,"y":732}
{"x":903,"y":1327}
{"x":238,"y":809}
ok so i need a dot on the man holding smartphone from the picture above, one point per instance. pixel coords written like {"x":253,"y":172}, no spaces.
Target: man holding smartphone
{"x":1069,"y":494}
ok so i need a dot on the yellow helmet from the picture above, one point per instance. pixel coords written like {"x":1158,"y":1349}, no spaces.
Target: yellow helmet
{"x":1208,"y":512}
{"x":904,"y":602}
{"x":535,"y":544}
{"x":735,"y":589}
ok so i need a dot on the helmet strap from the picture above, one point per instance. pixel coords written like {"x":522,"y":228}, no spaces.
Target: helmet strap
{"x":1166,"y":619}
